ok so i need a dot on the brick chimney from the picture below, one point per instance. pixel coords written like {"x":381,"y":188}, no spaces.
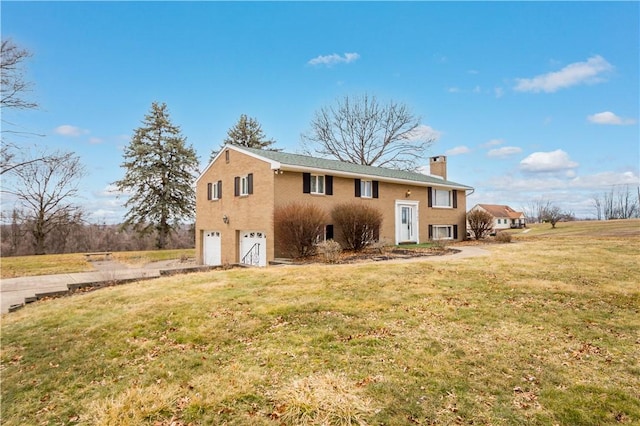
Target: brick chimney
{"x":438,"y":166}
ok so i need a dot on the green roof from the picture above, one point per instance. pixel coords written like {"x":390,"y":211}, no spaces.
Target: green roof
{"x":297,"y":160}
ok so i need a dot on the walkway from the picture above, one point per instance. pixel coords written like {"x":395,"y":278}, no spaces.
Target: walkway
{"x":15,"y":292}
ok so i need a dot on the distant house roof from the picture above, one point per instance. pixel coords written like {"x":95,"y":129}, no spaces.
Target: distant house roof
{"x":497,"y":210}
{"x":305,"y":163}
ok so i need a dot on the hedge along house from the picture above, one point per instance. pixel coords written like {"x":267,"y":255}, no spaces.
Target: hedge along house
{"x":238,"y":192}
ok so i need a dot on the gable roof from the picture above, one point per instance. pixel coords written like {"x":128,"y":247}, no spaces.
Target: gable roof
{"x":498,"y":210}
{"x":304,"y":163}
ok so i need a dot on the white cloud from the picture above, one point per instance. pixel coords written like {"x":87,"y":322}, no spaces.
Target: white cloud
{"x":458,"y":150}
{"x":499,"y":92}
{"x":69,"y":130}
{"x":588,"y":72}
{"x":607,"y":117}
{"x":333,"y":59}
{"x":424,"y":132}
{"x":95,"y":141}
{"x":493,"y":142}
{"x":505,"y":151}
{"x":554,"y":161}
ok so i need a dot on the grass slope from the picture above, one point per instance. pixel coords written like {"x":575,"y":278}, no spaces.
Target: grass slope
{"x":25,"y":266}
{"x":544,"y":331}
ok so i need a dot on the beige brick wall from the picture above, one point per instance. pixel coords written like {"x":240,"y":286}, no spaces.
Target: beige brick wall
{"x":255,"y":211}
{"x":251,"y":212}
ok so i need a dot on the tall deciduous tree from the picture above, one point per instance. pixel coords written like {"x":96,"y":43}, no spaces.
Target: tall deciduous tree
{"x":160,"y":170}
{"x":247,"y":132}
{"x":45,"y":191}
{"x":361,"y":130}
{"x":13,"y":95}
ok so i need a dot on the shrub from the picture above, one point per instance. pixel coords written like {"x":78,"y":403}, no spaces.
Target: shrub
{"x":503,"y":237}
{"x":331,"y":250}
{"x":299,"y":226}
{"x":359,"y":224}
{"x":480,"y":223}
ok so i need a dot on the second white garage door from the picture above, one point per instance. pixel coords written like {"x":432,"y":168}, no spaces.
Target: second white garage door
{"x":253,"y":248}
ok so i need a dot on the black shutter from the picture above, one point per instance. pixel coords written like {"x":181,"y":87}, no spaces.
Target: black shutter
{"x":328,"y":185}
{"x":374,"y":189}
{"x":250,"y":183}
{"x":455,"y":232}
{"x":429,"y":197}
{"x":219,"y":189}
{"x":430,"y":232}
{"x":306,"y":183}
{"x":328,"y":233}
{"x":455,"y":199}
{"x":357,"y":188}
{"x":236,"y":186}
{"x":209,"y":185}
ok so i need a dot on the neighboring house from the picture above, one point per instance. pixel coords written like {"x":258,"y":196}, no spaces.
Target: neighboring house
{"x":238,"y":192}
{"x":504,"y":217}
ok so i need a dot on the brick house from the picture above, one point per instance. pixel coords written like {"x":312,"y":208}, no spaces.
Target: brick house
{"x":238,"y":192}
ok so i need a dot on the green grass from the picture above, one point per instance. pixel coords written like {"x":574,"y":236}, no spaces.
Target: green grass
{"x":24,"y":266}
{"x":542,"y":332}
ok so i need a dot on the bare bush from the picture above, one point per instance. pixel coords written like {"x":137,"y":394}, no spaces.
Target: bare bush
{"x":503,"y":237}
{"x":359,"y":224}
{"x":299,"y":227}
{"x":330,"y":249}
{"x":480,"y":223}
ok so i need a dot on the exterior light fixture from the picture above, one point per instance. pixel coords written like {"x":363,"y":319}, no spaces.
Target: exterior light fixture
{"x":408,"y":193}
{"x":225,"y":219}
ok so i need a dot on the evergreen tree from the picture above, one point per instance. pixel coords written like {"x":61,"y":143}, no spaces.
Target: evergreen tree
{"x":160,"y":171}
{"x":247,"y":132}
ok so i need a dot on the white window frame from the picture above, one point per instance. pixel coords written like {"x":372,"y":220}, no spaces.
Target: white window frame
{"x":214,"y":191}
{"x":317,"y":184}
{"x":244,"y":185}
{"x":366,"y":189}
{"x":437,"y":199}
{"x":449,"y":231}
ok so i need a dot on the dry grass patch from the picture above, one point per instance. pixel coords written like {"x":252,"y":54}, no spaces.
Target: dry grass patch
{"x":322,"y":399}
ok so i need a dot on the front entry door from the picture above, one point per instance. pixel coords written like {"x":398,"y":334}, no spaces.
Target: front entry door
{"x":406,"y":223}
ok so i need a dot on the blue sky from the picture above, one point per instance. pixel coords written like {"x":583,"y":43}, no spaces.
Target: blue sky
{"x":528,"y":100}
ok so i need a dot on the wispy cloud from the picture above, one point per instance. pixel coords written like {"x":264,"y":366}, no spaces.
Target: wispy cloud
{"x":69,"y":130}
{"x":424,"y":132}
{"x":330,"y":60}
{"x":588,"y":72}
{"x":607,"y":117}
{"x":545,"y":162}
{"x":492,"y":142}
{"x":505,"y":151}
{"x":458,"y":150}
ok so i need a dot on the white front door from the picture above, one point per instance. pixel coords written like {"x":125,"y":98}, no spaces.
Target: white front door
{"x":253,"y":248}
{"x":212,"y":248}
{"x":406,"y":222}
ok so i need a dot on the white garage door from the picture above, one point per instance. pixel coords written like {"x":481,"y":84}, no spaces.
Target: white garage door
{"x":212,"y":248}
{"x":253,"y":248}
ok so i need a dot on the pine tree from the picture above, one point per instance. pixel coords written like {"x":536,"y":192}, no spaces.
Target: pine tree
{"x":160,"y":171}
{"x":247,"y":132}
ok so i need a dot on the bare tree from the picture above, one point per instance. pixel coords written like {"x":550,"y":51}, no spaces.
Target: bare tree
{"x":45,"y":190}
{"x":14,"y":86}
{"x":554,"y":214}
{"x":13,"y":92}
{"x":619,"y":203}
{"x":363,"y":131}
{"x":480,"y":223}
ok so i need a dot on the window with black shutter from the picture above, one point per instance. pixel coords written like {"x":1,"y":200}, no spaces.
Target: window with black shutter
{"x":306,"y":183}
{"x":328,"y":185}
{"x":209,"y":190}
{"x":357,"y":187}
